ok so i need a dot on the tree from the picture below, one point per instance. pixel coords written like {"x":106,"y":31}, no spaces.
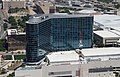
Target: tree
{"x":5,"y":25}
{"x":25,"y":18}
{"x":12,"y":21}
{"x":2,"y":45}
{"x":21,"y":23}
{"x":117,"y":6}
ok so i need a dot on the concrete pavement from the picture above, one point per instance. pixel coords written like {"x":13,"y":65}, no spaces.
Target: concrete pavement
{"x":3,"y":16}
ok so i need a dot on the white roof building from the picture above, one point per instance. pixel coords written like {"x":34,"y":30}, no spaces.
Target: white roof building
{"x":86,"y":12}
{"x":107,"y":34}
{"x":58,"y":64}
{"x":112,"y":21}
{"x":63,"y":57}
{"x":107,"y":22}
{"x":101,"y":51}
{"x":101,"y":54}
{"x":14,"y":32}
{"x":98,"y":62}
{"x":106,"y":37}
{"x":10,"y":31}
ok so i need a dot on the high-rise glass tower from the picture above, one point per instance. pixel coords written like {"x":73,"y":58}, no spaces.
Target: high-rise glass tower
{"x":57,"y":32}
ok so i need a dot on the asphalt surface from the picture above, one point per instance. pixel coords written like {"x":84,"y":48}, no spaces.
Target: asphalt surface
{"x":1,"y":23}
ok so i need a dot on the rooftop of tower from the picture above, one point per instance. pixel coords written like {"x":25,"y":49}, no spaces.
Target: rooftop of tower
{"x":40,"y":18}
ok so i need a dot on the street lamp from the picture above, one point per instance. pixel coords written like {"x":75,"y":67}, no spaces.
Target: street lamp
{"x":13,"y":58}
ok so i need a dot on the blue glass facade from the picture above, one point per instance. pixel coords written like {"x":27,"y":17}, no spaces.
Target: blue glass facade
{"x":56,"y":34}
{"x":65,"y":33}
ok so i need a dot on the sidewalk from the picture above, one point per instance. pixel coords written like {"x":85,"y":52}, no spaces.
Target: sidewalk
{"x":5,"y":75}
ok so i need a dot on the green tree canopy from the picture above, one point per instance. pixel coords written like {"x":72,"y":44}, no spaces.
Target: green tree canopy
{"x":5,"y":25}
{"x":25,"y":18}
{"x":2,"y":45}
{"x":117,"y":6}
{"x":0,"y":18}
{"x":21,"y":23}
{"x":12,"y":21}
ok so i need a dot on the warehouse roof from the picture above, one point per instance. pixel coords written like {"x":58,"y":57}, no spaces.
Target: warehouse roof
{"x":63,"y":56}
{"x":108,"y":20}
{"x":87,"y":11}
{"x":108,"y":33}
{"x":101,"y":51}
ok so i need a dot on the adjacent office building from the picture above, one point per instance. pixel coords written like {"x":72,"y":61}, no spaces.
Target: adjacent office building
{"x":57,"y":32}
{"x":16,"y":40}
{"x":7,"y":4}
{"x":106,"y":38}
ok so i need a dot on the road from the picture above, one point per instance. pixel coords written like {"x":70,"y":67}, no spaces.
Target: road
{"x":1,"y":23}
{"x":3,"y":15}
{"x":3,"y":35}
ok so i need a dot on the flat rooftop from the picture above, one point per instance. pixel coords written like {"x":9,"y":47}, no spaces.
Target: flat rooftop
{"x":87,"y":11}
{"x":14,"y":32}
{"x":108,"y":33}
{"x":108,"y":20}
{"x":63,"y":56}
{"x":40,"y":18}
{"x":73,"y":58}
{"x":101,"y":51}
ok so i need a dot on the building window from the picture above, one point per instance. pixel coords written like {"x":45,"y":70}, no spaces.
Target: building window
{"x":60,"y":73}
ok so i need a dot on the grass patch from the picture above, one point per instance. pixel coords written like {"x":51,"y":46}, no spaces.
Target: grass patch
{"x":8,"y":57}
{"x":17,"y":57}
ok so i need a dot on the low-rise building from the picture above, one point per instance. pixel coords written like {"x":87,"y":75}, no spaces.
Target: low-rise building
{"x":14,"y":4}
{"x":16,"y":40}
{"x":101,"y":62}
{"x":57,"y":64}
{"x":93,"y":62}
{"x":107,"y":21}
{"x":86,"y":12}
{"x":45,"y":7}
{"x":106,"y":37}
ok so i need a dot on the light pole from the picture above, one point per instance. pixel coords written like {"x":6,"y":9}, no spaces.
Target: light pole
{"x":13,"y":58}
